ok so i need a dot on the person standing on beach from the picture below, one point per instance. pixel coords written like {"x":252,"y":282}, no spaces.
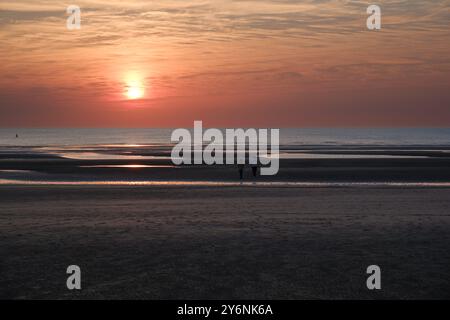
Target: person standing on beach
{"x":254,"y":164}
{"x":241,"y":171}
{"x":255,"y":170}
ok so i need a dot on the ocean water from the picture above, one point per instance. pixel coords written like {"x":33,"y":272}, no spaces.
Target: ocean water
{"x":288,"y":136}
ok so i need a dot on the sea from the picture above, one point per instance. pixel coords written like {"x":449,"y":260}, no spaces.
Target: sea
{"x":288,"y":136}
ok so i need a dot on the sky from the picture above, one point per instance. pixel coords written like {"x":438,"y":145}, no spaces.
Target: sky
{"x":229,"y":63}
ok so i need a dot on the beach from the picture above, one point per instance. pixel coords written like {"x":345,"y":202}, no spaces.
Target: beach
{"x":140,"y":227}
{"x":244,"y":242}
{"x":237,"y":151}
{"x":152,"y":163}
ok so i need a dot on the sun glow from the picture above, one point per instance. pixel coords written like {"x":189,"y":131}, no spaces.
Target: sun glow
{"x":135,"y":88}
{"x":135,"y":92}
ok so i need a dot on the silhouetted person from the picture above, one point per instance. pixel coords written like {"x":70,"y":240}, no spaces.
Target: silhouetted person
{"x":241,"y":171}
{"x":254,"y":170}
{"x":254,"y":164}
{"x":17,"y":135}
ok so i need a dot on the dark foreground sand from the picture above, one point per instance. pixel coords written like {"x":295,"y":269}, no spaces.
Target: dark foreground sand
{"x":224,"y":242}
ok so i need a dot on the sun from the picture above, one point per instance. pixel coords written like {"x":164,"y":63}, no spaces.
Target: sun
{"x":134,"y":85}
{"x":134,"y":92}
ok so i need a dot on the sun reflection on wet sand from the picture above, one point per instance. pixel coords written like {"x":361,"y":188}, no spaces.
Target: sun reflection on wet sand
{"x":105,"y":156}
{"x":128,"y":166}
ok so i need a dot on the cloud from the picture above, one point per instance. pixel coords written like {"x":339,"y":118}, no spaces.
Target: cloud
{"x":226,"y":48}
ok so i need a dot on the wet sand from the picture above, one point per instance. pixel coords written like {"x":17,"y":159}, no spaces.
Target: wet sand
{"x":153,"y":163}
{"x":240,"y":242}
{"x":212,"y":238}
{"x":324,"y":170}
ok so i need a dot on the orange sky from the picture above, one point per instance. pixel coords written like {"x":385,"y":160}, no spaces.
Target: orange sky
{"x":254,"y":63}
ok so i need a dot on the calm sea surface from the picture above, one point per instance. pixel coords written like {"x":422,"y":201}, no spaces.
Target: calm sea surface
{"x":318,"y":136}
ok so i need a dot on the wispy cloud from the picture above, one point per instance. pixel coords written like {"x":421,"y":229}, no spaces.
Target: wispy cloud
{"x":224,"y":48}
